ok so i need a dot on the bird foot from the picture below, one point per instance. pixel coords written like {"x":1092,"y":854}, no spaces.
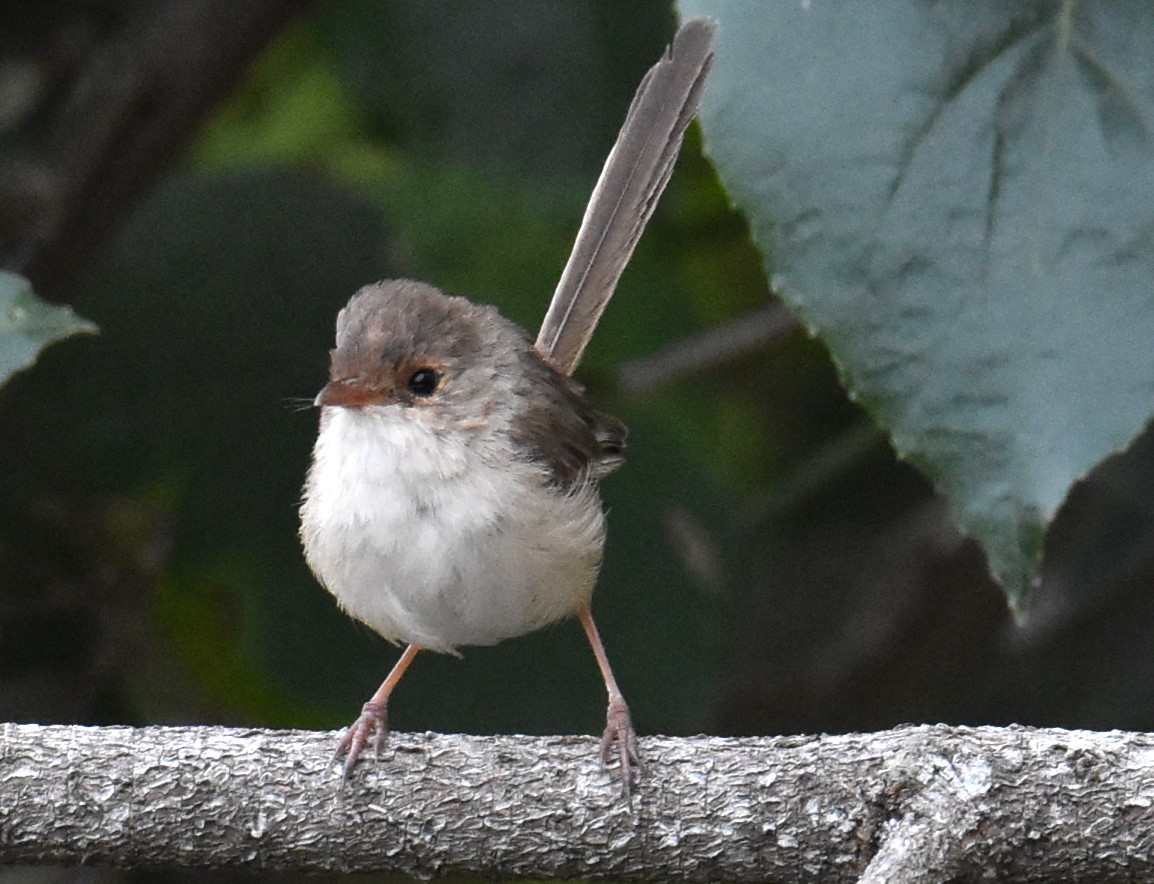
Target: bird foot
{"x":621,"y":740}
{"x":371,"y":723}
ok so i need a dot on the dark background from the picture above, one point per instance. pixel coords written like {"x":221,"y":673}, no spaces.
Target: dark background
{"x":210,"y":184}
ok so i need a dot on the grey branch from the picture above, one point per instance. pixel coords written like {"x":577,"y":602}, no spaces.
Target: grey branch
{"x":912,"y":804}
{"x":739,"y":337}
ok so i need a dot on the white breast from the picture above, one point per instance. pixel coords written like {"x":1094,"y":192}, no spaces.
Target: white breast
{"x":429,"y":543}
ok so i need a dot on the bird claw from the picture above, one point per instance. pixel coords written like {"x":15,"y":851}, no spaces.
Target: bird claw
{"x":372,"y":722}
{"x":620,"y":735}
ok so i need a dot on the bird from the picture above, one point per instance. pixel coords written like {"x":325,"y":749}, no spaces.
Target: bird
{"x":453,"y":495}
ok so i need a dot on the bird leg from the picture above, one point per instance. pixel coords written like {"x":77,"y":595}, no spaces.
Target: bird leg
{"x":619,"y":731}
{"x":373,"y":720}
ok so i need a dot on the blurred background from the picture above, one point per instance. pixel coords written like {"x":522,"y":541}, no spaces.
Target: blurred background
{"x":210,"y":183}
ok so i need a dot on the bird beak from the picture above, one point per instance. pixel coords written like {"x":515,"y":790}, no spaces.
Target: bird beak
{"x":348,"y":393}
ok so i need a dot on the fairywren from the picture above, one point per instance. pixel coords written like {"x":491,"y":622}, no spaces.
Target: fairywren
{"x":453,"y":494}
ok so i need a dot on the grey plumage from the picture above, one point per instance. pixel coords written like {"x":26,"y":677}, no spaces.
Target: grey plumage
{"x":452,"y":498}
{"x":634,"y":175}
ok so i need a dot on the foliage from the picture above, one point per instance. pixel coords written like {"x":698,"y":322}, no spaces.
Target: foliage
{"x":771,"y":567}
{"x":959,"y":200}
{"x":28,"y":325}
{"x":219,"y":297}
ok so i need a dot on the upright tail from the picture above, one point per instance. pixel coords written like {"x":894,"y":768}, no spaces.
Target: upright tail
{"x":631,"y":182}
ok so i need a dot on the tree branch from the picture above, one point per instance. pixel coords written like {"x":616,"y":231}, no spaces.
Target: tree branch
{"x":911,"y":804}
{"x":90,"y":145}
{"x":749,"y":333}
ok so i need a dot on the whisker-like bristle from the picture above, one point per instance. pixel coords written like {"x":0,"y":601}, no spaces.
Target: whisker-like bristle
{"x":298,"y":403}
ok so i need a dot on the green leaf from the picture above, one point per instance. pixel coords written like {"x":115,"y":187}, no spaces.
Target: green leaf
{"x":959,"y":199}
{"x":28,"y":325}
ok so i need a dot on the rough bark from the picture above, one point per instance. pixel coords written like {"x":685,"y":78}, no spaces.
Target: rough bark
{"x":911,"y":804}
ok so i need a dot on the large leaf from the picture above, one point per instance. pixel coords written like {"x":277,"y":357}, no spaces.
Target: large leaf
{"x":28,"y":325}
{"x":959,"y":199}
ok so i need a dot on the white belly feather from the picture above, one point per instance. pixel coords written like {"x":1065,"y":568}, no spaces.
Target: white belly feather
{"x":429,"y":544}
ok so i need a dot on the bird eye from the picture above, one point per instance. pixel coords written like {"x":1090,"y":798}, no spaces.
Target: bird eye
{"x":423,"y":382}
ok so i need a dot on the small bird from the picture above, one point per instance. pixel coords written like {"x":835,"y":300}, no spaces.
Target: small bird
{"x":453,"y":494}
